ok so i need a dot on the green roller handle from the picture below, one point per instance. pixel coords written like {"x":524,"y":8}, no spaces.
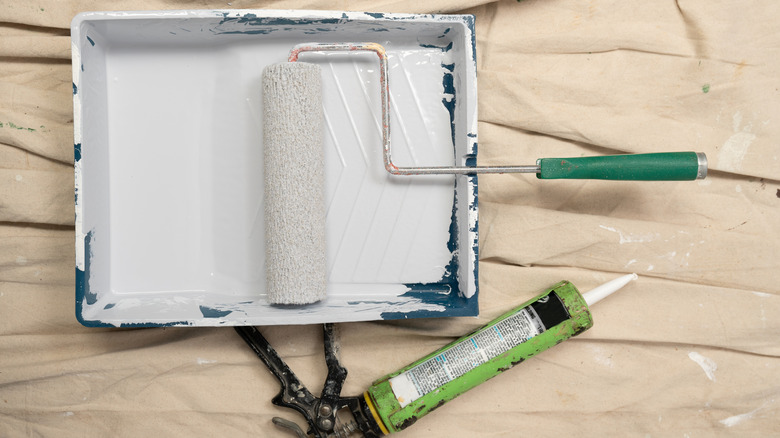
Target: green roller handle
{"x":667,"y":166}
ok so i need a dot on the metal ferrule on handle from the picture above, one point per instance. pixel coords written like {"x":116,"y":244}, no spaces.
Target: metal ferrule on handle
{"x":643,"y":166}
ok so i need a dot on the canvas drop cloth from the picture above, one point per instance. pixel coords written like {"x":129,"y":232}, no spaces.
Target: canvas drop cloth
{"x":689,"y":350}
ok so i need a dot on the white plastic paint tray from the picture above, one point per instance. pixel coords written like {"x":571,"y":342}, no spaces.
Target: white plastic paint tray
{"x":169,"y":159}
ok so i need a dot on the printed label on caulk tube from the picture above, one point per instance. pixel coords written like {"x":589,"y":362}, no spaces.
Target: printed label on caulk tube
{"x":466,"y":355}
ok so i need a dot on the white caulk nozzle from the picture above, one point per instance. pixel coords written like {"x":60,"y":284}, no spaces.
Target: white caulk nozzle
{"x":600,"y":292}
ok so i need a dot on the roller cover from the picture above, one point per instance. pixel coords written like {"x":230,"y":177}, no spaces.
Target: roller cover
{"x":295,"y":257}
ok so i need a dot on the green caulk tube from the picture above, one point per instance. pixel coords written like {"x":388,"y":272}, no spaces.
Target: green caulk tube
{"x":401,"y":398}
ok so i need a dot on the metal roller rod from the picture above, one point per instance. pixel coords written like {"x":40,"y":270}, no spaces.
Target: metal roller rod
{"x":660,"y":167}
{"x":385,"y":92}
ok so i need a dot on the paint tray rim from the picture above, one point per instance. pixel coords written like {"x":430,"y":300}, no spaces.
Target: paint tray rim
{"x":115,"y":284}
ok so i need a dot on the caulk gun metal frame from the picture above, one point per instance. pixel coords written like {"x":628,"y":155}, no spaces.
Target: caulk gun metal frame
{"x":397,"y":400}
{"x":319,"y":412}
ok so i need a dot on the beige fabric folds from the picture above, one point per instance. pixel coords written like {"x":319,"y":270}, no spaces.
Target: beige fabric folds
{"x":689,"y":350}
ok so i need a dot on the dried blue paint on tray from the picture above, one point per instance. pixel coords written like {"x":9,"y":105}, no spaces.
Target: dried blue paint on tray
{"x":453,"y":35}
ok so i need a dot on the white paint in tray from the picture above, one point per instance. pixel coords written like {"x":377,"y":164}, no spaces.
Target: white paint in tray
{"x":168,"y":141}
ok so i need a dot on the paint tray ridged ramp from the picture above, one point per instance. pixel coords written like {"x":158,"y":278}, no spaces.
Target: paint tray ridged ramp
{"x":169,"y":167}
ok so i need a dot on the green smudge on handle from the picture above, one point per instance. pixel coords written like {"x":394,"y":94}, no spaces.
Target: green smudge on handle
{"x":705,"y":88}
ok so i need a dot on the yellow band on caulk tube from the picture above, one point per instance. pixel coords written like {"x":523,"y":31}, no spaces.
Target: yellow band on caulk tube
{"x":375,"y":414}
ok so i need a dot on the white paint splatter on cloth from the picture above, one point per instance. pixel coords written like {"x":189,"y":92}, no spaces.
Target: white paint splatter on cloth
{"x":736,"y":419}
{"x":733,"y":151}
{"x":631,"y":238}
{"x":708,"y":365}
{"x":602,"y":357}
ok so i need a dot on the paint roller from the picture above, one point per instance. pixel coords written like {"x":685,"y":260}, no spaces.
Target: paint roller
{"x":296,"y":271}
{"x":294,"y":184}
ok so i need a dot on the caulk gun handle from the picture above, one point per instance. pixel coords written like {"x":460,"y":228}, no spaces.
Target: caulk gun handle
{"x":666,"y":166}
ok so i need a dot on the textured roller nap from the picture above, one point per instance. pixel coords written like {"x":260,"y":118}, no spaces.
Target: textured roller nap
{"x":294,"y":184}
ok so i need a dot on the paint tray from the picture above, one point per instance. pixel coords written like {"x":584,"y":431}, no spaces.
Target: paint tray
{"x":169,"y":159}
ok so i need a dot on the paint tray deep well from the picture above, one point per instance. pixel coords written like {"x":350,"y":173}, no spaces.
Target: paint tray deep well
{"x":169,"y":166}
